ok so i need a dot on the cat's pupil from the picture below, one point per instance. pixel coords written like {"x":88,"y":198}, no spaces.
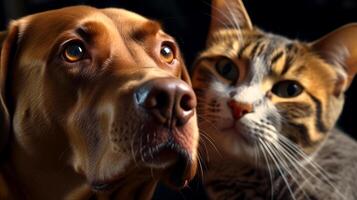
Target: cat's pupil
{"x":227,"y":69}
{"x":292,"y":89}
{"x":287,"y":89}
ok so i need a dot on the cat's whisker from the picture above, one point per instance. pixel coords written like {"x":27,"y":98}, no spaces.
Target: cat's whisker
{"x":269,"y":170}
{"x":206,"y":136}
{"x":267,"y":149}
{"x":286,"y":159}
{"x":301,"y":172}
{"x":309,"y":172}
{"x":289,"y":145}
{"x":298,"y":151}
{"x":203,"y":146}
{"x":283,"y":160}
{"x":256,"y":154}
{"x":200,"y":164}
{"x":210,"y":141}
{"x":293,"y":150}
{"x":320,"y":171}
{"x":206,"y":119}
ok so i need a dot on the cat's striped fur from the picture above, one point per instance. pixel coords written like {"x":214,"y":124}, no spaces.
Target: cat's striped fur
{"x":269,"y":106}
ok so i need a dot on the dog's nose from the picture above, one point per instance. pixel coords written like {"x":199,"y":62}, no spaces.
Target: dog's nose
{"x":170,"y":101}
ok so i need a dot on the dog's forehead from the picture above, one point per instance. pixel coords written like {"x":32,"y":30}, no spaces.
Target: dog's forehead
{"x":131,"y":23}
{"x":49,"y":24}
{"x":123,"y":16}
{"x":46,"y":25}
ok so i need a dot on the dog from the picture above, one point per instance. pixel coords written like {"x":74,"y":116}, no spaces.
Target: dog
{"x":95,"y":104}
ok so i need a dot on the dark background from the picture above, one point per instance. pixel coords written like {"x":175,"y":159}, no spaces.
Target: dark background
{"x":187,"y":21}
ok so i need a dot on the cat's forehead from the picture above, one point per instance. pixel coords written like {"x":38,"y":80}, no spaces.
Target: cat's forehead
{"x":265,"y":45}
{"x":250,"y":44}
{"x":268,"y":53}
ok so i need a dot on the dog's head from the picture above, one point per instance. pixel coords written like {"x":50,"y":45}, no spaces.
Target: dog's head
{"x":105,"y":90}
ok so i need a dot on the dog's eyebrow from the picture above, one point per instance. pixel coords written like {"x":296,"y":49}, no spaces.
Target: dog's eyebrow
{"x":89,"y":30}
{"x":148,"y":28}
{"x":83,"y":32}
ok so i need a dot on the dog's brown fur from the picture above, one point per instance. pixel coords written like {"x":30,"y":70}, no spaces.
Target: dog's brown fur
{"x":67,"y":126}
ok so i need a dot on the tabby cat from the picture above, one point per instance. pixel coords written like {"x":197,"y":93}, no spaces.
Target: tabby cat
{"x":267,"y":110}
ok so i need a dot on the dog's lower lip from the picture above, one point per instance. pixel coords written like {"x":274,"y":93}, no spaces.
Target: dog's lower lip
{"x":175,"y":161}
{"x":107,"y":184}
{"x":161,"y":158}
{"x":180,"y":173}
{"x":102,"y":186}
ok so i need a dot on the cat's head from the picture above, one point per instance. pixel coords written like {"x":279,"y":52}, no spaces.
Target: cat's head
{"x":262,"y":92}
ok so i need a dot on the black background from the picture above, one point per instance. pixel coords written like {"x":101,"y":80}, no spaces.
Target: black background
{"x":187,"y":21}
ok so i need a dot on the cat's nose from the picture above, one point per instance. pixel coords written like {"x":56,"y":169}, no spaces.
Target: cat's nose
{"x":239,"y":109}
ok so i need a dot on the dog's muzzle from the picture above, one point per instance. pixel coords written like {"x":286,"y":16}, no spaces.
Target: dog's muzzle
{"x":168,"y":105}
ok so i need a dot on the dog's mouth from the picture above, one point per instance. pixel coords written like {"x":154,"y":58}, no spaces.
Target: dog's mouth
{"x":173,"y":165}
{"x":168,"y":158}
{"x":177,"y":165}
{"x":181,"y":172}
{"x":170,"y":151}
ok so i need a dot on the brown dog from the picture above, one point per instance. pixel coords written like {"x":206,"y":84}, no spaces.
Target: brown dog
{"x":95,"y":103}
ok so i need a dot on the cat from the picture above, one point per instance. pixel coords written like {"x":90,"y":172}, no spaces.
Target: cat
{"x":267,"y":109}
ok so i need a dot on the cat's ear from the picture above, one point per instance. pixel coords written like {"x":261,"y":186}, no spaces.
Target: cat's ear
{"x":229,"y":14}
{"x":340,"y":46}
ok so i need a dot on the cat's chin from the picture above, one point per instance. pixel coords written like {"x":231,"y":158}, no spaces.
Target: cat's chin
{"x":238,"y":132}
{"x":239,"y":145}
{"x":236,"y":145}
{"x":240,"y":136}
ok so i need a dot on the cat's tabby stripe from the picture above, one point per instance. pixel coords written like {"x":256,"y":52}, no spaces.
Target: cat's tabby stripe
{"x":292,"y":48}
{"x":276,"y":57}
{"x":243,"y":48}
{"x":261,"y":49}
{"x":288,"y":64}
{"x":318,"y":122}
{"x":255,"y":48}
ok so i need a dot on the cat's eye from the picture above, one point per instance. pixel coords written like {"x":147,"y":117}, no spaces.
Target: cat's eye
{"x":73,"y":51}
{"x":287,"y":89}
{"x":167,"y":53}
{"x":227,"y":69}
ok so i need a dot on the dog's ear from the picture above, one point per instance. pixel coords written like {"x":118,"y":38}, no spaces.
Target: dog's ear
{"x":3,"y":35}
{"x":8,"y":41}
{"x":185,"y":76}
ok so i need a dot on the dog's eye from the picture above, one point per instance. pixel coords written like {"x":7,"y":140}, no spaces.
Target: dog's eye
{"x":167,"y":53}
{"x":73,"y":52}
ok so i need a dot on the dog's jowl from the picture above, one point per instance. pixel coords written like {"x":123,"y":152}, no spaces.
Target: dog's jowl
{"x":95,"y":103}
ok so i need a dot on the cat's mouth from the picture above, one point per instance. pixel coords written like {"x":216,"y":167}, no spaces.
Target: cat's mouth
{"x":241,"y":132}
